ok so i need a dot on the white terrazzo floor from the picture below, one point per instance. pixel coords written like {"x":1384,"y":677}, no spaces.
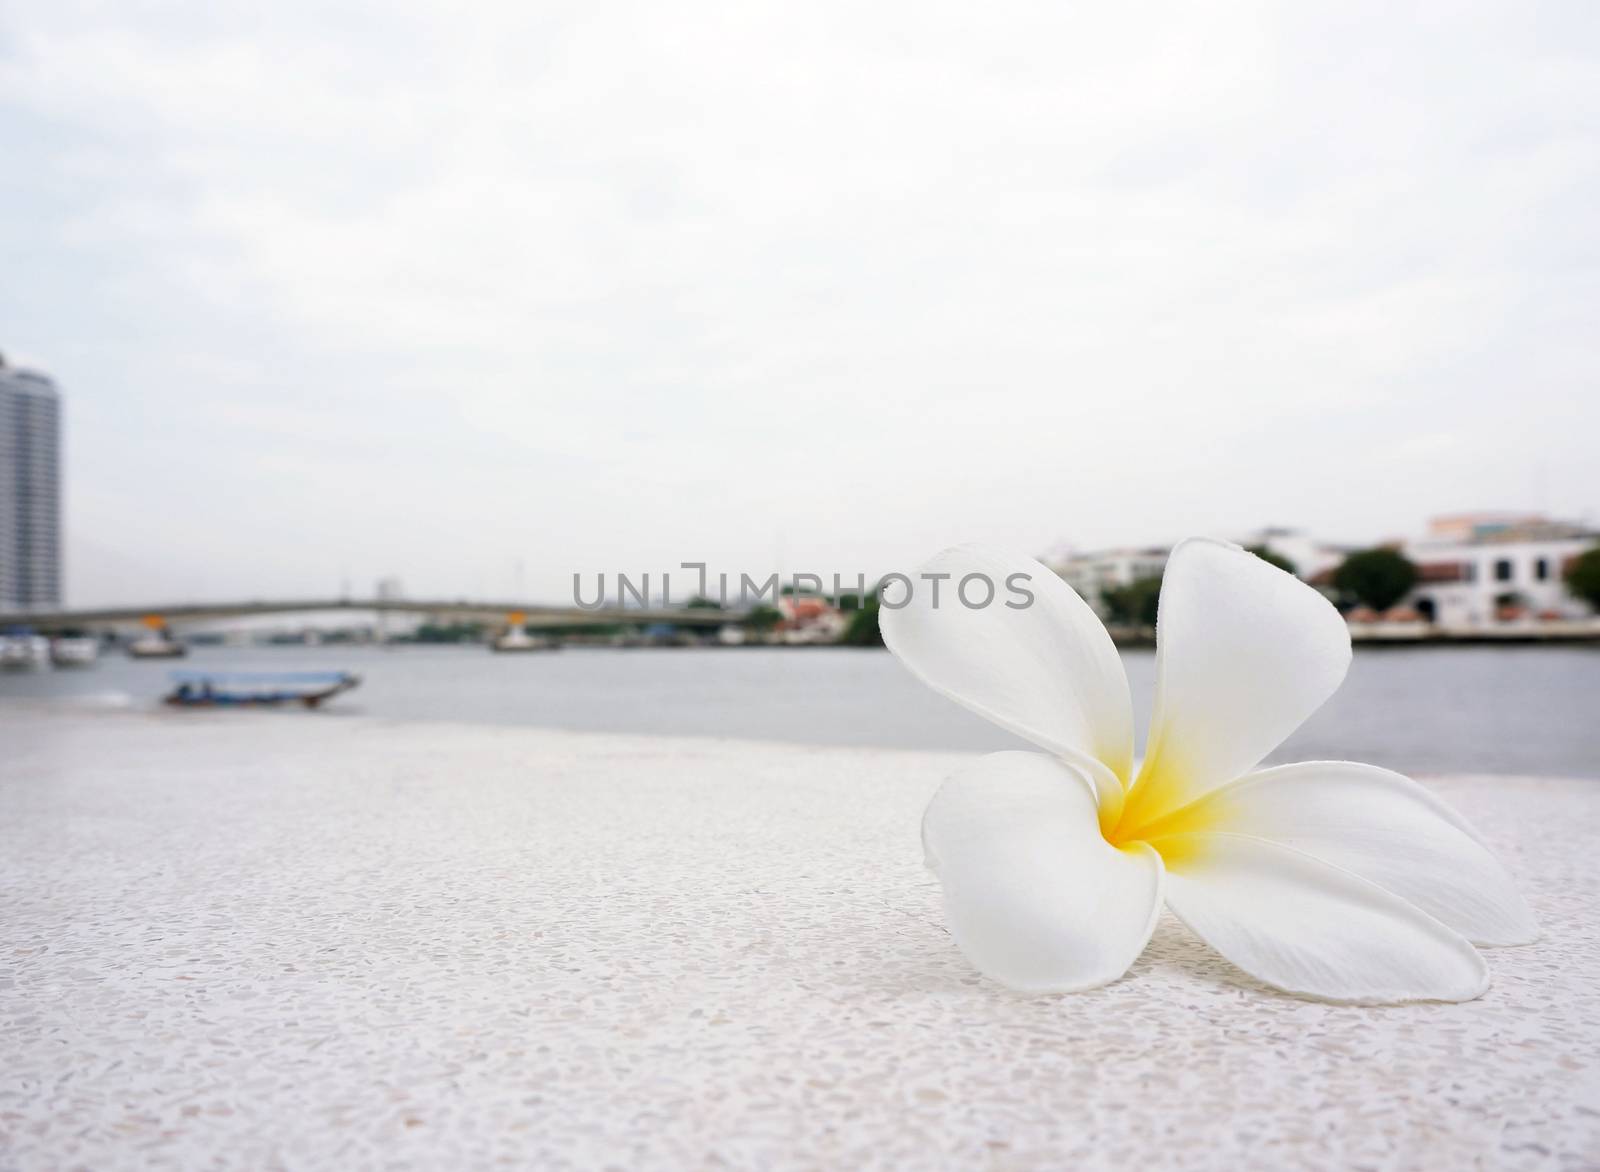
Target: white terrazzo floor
{"x":289,"y":941}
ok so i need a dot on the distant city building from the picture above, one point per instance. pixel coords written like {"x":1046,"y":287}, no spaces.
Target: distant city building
{"x":30,"y":490}
{"x":1466,"y":528}
{"x":1091,"y":574}
{"x":384,"y":629}
{"x":809,"y":618}
{"x":1474,"y":569}
{"x":1309,"y":556}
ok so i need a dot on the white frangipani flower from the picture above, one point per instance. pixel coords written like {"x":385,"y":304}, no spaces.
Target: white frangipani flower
{"x":1327,"y":879}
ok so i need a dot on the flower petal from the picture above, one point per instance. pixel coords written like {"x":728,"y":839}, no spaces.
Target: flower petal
{"x":1304,"y":926}
{"x":1047,"y":671}
{"x":1244,"y":653}
{"x":1035,"y":897}
{"x":1386,"y":828}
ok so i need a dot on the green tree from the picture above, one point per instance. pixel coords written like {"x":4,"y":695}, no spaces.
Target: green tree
{"x":700,"y":602}
{"x":1135,"y":604}
{"x":763,"y":618}
{"x":1378,"y":578}
{"x":1583,"y":577}
{"x":863,"y":629}
{"x":460,"y":632}
{"x":1273,"y":559}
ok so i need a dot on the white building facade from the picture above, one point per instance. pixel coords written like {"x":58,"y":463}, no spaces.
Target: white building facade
{"x":1477,"y":570}
{"x":30,"y":490}
{"x":1308,"y":555}
{"x":1090,"y":574}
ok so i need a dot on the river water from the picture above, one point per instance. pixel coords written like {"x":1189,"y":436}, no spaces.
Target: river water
{"x":1533,"y":710}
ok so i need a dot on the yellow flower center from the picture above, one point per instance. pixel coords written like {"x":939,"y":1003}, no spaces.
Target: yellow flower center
{"x":1158,"y":811}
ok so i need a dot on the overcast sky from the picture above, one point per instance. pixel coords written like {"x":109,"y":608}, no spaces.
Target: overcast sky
{"x":434,"y":290}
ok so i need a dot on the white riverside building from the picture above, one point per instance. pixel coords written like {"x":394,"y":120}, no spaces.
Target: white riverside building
{"x":1486,"y":569}
{"x":1310,"y":556}
{"x":1475,"y":571}
{"x":30,"y":490}
{"x":1091,"y":573}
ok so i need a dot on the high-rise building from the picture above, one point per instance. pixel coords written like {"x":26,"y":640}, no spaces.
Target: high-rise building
{"x":30,"y":490}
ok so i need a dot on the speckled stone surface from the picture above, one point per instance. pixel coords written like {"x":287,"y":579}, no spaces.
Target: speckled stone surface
{"x":281,"y":941}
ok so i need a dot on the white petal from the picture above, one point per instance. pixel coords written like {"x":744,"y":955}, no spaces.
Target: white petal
{"x":1306,"y":927}
{"x":1047,"y":672}
{"x":1386,"y":828}
{"x":1035,"y":897}
{"x":1244,"y":653}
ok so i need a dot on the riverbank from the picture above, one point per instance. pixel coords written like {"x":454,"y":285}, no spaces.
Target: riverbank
{"x":284,"y":940}
{"x":1417,"y":633}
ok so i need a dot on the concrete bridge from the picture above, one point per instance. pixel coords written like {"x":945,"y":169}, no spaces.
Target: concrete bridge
{"x":508,"y":613}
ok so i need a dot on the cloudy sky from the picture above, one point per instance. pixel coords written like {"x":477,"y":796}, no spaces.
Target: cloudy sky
{"x":480,"y":295}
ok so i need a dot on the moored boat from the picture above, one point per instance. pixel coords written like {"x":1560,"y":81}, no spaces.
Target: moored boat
{"x":516,"y":639}
{"x":157,"y":645}
{"x":74,"y":651}
{"x":24,"y":652}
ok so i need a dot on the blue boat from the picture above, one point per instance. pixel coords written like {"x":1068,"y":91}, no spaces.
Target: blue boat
{"x":215,"y":689}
